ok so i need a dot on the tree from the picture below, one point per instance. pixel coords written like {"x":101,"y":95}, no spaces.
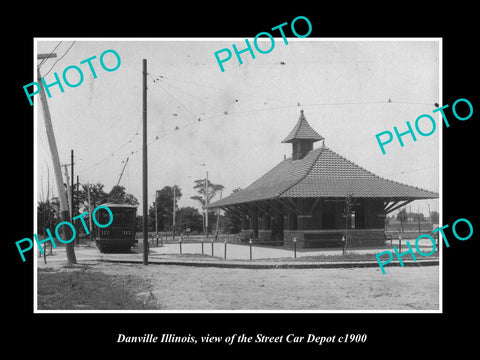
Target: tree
{"x":212,"y":190}
{"x":402,"y":216}
{"x":164,"y":202}
{"x":47,"y":214}
{"x":189,"y":217}
{"x":96,"y":194}
{"x":232,"y":223}
{"x":118,"y":192}
{"x":417,"y":216}
{"x":434,"y":217}
{"x":387,"y":220}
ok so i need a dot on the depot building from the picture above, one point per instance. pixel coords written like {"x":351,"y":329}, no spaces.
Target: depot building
{"x":315,"y":196}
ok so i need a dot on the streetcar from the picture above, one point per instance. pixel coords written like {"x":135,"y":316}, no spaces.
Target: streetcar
{"x":119,"y":236}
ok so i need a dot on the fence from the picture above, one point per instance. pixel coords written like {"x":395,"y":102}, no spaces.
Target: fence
{"x":400,"y":239}
{"x":224,"y":246}
{"x":229,"y":247}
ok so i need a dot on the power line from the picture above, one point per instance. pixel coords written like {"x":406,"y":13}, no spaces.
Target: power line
{"x":51,"y":52}
{"x":130,"y":139}
{"x":158,"y":80}
{"x":168,"y":92}
{"x":159,"y":77}
{"x":60,"y":58}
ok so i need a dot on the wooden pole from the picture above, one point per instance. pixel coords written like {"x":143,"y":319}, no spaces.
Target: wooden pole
{"x":89,"y":212}
{"x":145,"y":169}
{"x":69,"y":193}
{"x":64,"y":216}
{"x":218,"y":217}
{"x":206,"y":206}
{"x":156,"y":214}
{"x":173,"y":217}
{"x":72,"y":189}
{"x":72,"y":184}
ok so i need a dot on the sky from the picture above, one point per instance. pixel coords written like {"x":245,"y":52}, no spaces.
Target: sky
{"x":231,"y":123}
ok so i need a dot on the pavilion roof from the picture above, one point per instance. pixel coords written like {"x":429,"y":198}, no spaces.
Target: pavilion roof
{"x":302,"y":131}
{"x":326,"y":174}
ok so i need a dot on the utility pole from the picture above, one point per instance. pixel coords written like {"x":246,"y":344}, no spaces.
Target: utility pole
{"x":69,"y":193}
{"x":72,"y":185}
{"x":89,"y":212}
{"x":174,"y":204}
{"x":156,"y":213}
{"x":145,"y":169}
{"x":64,"y":216}
{"x":72,"y":188}
{"x":206,"y":206}
{"x":218,"y":218}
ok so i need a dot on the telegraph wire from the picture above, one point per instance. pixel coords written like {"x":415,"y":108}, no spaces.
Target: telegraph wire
{"x":130,"y":140}
{"x":159,"y":80}
{"x":159,"y":77}
{"x":169,"y":93}
{"x":60,"y":58}
{"x":51,"y":52}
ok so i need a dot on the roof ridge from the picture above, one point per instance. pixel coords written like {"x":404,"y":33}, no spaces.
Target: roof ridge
{"x":320,"y":151}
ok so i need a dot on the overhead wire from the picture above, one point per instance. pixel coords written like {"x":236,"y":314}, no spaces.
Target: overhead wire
{"x":163,"y":77}
{"x":169,"y":93}
{"x":60,"y":58}
{"x":51,"y":52}
{"x":130,"y":139}
{"x":159,"y":81}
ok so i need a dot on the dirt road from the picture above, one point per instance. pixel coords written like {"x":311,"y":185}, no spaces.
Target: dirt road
{"x":207,"y":288}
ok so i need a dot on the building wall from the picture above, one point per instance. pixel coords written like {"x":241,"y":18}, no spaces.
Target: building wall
{"x":372,"y":209}
{"x":356,"y":238}
{"x":321,"y":226}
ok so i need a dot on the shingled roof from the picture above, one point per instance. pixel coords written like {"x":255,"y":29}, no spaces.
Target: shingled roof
{"x":323,"y":173}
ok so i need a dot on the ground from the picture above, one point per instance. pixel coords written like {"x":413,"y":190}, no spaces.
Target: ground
{"x":174,"y":287}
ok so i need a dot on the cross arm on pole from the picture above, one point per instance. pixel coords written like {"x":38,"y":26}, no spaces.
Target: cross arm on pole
{"x":46,"y":56}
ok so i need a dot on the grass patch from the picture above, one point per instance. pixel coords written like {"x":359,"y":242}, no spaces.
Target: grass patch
{"x":84,"y":289}
{"x":350,"y":257}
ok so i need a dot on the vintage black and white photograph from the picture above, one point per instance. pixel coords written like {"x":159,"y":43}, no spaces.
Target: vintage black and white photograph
{"x":212,"y":175}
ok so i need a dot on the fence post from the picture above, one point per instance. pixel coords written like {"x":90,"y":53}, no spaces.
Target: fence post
{"x":295,"y":247}
{"x":180,"y":242}
{"x":225,"y":254}
{"x":45,"y":253}
{"x":400,"y":243}
{"x":250,"y":243}
{"x":212,"y":246}
{"x":202,"y":245}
